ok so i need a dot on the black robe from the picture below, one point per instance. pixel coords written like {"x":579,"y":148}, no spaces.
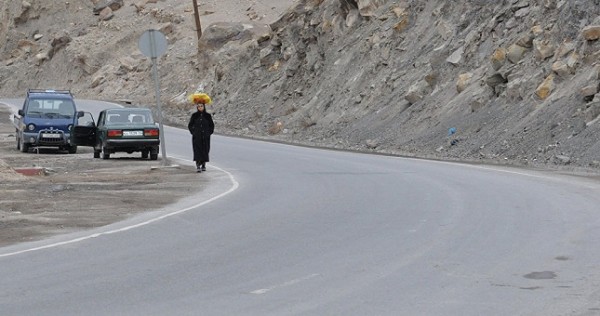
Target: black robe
{"x":201,"y":126}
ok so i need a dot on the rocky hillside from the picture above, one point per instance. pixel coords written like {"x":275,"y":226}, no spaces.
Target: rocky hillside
{"x":512,"y":81}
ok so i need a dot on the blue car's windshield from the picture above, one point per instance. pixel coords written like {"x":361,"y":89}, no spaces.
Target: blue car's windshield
{"x":51,"y":108}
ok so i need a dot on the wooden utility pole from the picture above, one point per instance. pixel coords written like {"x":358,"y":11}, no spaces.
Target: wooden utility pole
{"x":197,"y":16}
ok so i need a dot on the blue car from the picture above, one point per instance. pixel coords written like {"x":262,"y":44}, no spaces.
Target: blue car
{"x":46,"y":120}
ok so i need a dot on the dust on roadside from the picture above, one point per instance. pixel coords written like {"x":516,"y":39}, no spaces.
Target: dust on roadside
{"x":79,"y":192}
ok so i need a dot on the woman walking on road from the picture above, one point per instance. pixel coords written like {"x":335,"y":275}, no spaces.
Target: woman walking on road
{"x":201,"y":126}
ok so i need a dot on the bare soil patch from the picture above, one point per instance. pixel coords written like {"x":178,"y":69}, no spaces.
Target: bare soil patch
{"x":79,"y":192}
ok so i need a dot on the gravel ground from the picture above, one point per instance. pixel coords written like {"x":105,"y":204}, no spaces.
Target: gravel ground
{"x":77,"y":192}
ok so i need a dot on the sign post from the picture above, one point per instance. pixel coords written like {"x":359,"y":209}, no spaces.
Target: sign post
{"x":153,"y":44}
{"x":197,"y":18}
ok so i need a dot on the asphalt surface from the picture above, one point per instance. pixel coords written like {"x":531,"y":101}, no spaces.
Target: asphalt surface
{"x":298,"y":231}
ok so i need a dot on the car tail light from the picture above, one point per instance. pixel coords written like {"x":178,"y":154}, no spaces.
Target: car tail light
{"x":115,"y":133}
{"x":151,"y":132}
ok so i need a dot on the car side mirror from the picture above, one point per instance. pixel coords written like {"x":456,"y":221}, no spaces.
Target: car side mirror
{"x":80,"y":114}
{"x":21,"y":113}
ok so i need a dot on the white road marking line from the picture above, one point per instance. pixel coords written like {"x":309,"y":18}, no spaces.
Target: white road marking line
{"x":285,"y":284}
{"x":234,"y":186}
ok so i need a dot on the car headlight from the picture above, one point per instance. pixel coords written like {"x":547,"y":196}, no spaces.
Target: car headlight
{"x":31,"y":127}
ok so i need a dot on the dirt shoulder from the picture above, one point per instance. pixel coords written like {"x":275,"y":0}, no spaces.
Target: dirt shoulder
{"x":77,"y":192}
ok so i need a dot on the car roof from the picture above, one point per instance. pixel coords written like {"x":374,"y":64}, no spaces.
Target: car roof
{"x":54,"y":94}
{"x":126,"y":110}
{"x":38,"y":96}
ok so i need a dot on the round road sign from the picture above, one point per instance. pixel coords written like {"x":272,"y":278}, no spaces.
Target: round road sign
{"x":153,"y":43}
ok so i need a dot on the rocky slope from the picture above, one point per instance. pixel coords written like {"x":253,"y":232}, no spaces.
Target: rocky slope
{"x":513,"y":81}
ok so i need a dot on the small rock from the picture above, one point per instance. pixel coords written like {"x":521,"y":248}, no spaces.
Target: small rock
{"x":522,"y":12}
{"x":371,"y":143}
{"x":456,"y":57}
{"x":41,"y":57}
{"x":565,"y":160}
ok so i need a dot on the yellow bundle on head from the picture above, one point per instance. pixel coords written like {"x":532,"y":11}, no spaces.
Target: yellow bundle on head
{"x":200,"y":98}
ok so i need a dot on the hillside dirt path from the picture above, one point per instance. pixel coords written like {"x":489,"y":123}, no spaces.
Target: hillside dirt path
{"x":78,"y":192}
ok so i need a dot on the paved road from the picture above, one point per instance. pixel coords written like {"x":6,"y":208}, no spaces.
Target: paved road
{"x":316,"y":232}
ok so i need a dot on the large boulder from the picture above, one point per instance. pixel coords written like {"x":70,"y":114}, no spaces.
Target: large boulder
{"x":515,"y":53}
{"x":546,"y":88}
{"x":564,"y":48}
{"x":24,"y":16}
{"x":417,"y":92}
{"x":561,"y":69}
{"x":58,"y":43}
{"x":543,"y":49}
{"x":368,"y":7}
{"x":221,"y":33}
{"x":498,"y":58}
{"x":463,"y":81}
{"x":106,"y":14}
{"x":591,"y":33}
{"x":114,"y":5}
{"x":589,"y":90}
{"x":495,"y":80}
